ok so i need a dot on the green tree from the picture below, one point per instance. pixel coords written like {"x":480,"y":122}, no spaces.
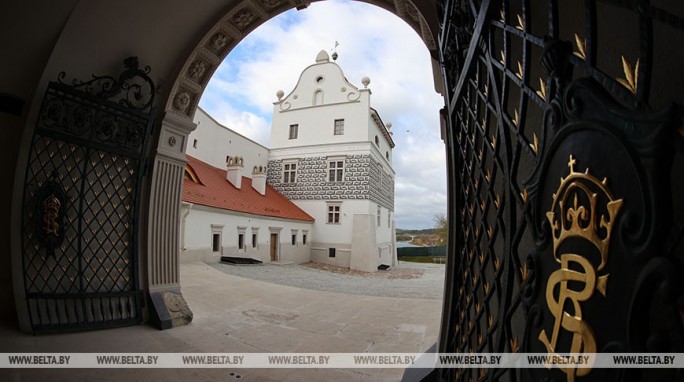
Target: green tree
{"x":442,"y":228}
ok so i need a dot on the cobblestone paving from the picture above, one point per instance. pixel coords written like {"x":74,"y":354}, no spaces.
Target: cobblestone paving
{"x":428,"y":286}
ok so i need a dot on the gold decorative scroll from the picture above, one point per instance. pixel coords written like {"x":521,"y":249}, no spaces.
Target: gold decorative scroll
{"x":578,"y":211}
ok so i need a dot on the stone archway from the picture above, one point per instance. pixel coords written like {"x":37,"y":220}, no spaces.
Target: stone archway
{"x":246,"y":16}
{"x":181,"y":104}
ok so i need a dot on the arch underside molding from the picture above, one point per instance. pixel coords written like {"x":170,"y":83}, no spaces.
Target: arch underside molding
{"x":542,"y":91}
{"x":247,"y":15}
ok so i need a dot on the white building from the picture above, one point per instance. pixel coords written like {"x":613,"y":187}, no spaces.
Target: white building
{"x":330,"y":169}
{"x":332,"y":155}
{"x":221,"y":216}
{"x":228,"y":209}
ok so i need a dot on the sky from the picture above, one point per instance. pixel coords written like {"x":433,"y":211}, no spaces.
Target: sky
{"x":372,"y":42}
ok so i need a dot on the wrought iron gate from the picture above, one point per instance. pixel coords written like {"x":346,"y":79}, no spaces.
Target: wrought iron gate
{"x":80,"y":203}
{"x":565,"y":234}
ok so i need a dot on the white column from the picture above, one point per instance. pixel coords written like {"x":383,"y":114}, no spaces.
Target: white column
{"x":163,"y":242}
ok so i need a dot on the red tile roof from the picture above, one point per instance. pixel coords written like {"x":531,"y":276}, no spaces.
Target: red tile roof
{"x":216,"y":191}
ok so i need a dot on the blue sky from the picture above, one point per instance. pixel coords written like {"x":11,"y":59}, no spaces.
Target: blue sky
{"x":374,"y":43}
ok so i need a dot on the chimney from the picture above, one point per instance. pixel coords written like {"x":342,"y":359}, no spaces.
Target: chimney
{"x":234,"y":170}
{"x":259,"y":179}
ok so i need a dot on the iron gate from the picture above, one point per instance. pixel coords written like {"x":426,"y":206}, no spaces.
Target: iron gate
{"x":564,"y":155}
{"x":80,"y":202}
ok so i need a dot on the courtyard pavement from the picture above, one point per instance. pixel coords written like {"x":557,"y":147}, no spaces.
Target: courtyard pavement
{"x":382,"y":284}
{"x":236,"y":314}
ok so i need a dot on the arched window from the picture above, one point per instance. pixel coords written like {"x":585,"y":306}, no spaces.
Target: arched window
{"x":377,"y":141}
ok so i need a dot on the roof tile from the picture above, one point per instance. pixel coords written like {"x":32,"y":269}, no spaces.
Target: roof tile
{"x":216,"y":191}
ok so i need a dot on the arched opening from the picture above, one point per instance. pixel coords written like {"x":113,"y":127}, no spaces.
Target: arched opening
{"x":159,"y":269}
{"x":385,"y":218}
{"x":193,"y":79}
{"x":508,"y":67}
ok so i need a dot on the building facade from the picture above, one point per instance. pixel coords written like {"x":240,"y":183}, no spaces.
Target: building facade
{"x":331,"y":154}
{"x":330,"y":163}
{"x":221,"y":216}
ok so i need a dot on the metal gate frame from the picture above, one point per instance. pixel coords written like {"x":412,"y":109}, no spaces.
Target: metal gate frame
{"x":81,"y":202}
{"x":524,"y":80}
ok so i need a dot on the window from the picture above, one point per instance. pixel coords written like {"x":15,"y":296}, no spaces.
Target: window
{"x":339,"y":126}
{"x":333,"y":214}
{"x":331,"y":252}
{"x":190,"y":174}
{"x":377,"y":141}
{"x":304,"y":238}
{"x":378,"y":217}
{"x":294,"y":239}
{"x":255,"y":236}
{"x":336,"y":170}
{"x":387,"y":155}
{"x":194,"y":143}
{"x":289,"y":172}
{"x":241,"y":237}
{"x":294,"y":130}
{"x":216,"y":242}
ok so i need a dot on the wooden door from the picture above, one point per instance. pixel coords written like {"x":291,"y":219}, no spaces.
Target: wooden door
{"x":274,"y":247}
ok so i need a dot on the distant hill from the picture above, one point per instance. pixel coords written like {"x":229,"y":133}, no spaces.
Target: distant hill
{"x":429,"y":231}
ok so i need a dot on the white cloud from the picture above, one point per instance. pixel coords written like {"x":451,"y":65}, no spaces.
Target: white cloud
{"x":373,"y":42}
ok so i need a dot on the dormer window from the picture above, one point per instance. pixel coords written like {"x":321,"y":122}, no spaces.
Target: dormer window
{"x":190,"y":174}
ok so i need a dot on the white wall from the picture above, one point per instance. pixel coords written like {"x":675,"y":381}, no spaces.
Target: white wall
{"x":334,"y":233}
{"x":341,"y":236}
{"x":341,"y":100}
{"x":384,"y":235}
{"x":316,"y":125}
{"x":199,"y":222}
{"x":383,"y":145}
{"x":215,"y":142}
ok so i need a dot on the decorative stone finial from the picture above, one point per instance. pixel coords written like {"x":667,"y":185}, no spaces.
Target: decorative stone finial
{"x":365,"y":81}
{"x":280,"y":94}
{"x":322,"y":57}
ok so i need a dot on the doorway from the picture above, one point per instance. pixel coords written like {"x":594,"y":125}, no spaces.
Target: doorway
{"x":274,"y":247}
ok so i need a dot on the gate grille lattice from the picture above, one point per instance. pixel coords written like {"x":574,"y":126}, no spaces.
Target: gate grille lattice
{"x":80,"y":202}
{"x":506,"y":66}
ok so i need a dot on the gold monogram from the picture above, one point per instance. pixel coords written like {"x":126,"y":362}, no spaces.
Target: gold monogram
{"x":51,"y":207}
{"x":574,"y":214}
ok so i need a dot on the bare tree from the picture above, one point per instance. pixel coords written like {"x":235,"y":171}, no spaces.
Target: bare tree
{"x":442,"y":228}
